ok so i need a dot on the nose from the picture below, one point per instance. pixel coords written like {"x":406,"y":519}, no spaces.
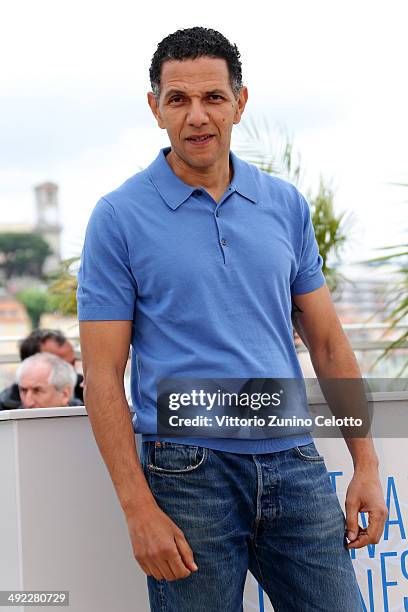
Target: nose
{"x":29,"y":400}
{"x":197,"y":114}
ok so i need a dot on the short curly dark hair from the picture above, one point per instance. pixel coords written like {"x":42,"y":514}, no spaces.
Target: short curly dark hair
{"x":192,"y":43}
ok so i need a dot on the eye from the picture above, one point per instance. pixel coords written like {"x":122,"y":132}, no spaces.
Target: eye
{"x":215,"y":97}
{"x":176,"y":100}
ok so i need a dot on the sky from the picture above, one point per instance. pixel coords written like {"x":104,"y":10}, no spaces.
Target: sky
{"x":73,"y":90}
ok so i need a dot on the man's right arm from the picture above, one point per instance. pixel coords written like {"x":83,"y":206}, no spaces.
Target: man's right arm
{"x":158,"y":544}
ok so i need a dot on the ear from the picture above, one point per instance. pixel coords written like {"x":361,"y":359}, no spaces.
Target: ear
{"x":241,"y":103}
{"x":154,"y":107}
{"x":66,"y":394}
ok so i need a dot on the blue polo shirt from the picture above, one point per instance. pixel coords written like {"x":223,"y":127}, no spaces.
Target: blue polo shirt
{"x":207,"y":285}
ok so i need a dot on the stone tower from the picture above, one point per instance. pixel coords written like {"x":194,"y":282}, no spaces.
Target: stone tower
{"x":47,"y":223}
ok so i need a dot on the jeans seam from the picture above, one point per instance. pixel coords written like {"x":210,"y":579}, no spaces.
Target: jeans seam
{"x":308,"y":457}
{"x":258,"y":565}
{"x":258,"y":497}
{"x":162,"y":597}
{"x":167,"y":472}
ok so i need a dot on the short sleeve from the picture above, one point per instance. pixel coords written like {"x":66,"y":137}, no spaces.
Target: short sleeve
{"x":309,"y":275}
{"x":107,"y":289}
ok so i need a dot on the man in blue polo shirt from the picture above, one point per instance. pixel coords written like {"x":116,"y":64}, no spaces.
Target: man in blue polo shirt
{"x":198,"y":263}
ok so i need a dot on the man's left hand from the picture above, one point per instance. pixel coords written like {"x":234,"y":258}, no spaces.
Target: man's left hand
{"x":364,"y":494}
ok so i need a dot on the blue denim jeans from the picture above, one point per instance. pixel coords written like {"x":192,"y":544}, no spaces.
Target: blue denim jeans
{"x":275,"y":515}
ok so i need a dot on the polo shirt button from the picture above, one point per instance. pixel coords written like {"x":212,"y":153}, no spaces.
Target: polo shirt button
{"x":217,"y":214}
{"x":223,"y":242}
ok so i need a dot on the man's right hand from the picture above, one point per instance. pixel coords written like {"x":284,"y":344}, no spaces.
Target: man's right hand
{"x":159,"y":545}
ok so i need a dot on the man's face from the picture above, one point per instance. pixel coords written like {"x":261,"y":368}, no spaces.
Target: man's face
{"x":198,"y":108}
{"x":64,"y":351}
{"x":37,"y":392}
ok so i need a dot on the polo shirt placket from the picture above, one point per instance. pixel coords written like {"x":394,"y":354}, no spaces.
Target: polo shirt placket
{"x":215,"y":211}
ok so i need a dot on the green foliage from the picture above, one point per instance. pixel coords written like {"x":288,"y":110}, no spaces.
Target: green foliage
{"x":274,"y":153}
{"x":37,"y":302}
{"x":22,"y":254}
{"x":271,"y":151}
{"x":397,"y":298}
{"x":329,"y":230}
{"x":63,"y":287}
{"x":60,"y":295}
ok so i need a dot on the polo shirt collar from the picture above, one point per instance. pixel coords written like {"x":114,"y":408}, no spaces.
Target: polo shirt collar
{"x":175,"y":192}
{"x":243,"y":180}
{"x":172,"y":189}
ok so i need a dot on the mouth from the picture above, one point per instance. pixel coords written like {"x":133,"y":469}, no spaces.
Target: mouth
{"x":200,"y":140}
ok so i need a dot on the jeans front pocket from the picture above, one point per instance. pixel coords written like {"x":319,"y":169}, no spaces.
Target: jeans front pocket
{"x":308,"y":452}
{"x":172,"y":458}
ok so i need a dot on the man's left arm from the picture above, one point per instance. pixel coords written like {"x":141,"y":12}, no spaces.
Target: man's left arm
{"x":316,"y":321}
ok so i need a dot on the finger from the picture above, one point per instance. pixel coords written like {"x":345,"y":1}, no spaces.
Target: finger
{"x":352,"y":520}
{"x":186,"y":553}
{"x":361,"y":540}
{"x":145,"y":568}
{"x":172,"y":574}
{"x":178,"y":567}
{"x":156,"y":572}
{"x":164,"y":569}
{"x":375,"y":527}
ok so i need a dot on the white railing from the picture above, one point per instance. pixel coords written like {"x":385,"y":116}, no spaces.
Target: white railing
{"x":358,"y":344}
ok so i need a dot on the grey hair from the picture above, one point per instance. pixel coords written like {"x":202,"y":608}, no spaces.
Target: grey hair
{"x":62,"y":373}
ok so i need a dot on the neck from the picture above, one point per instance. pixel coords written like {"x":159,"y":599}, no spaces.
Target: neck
{"x":214,"y":179}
